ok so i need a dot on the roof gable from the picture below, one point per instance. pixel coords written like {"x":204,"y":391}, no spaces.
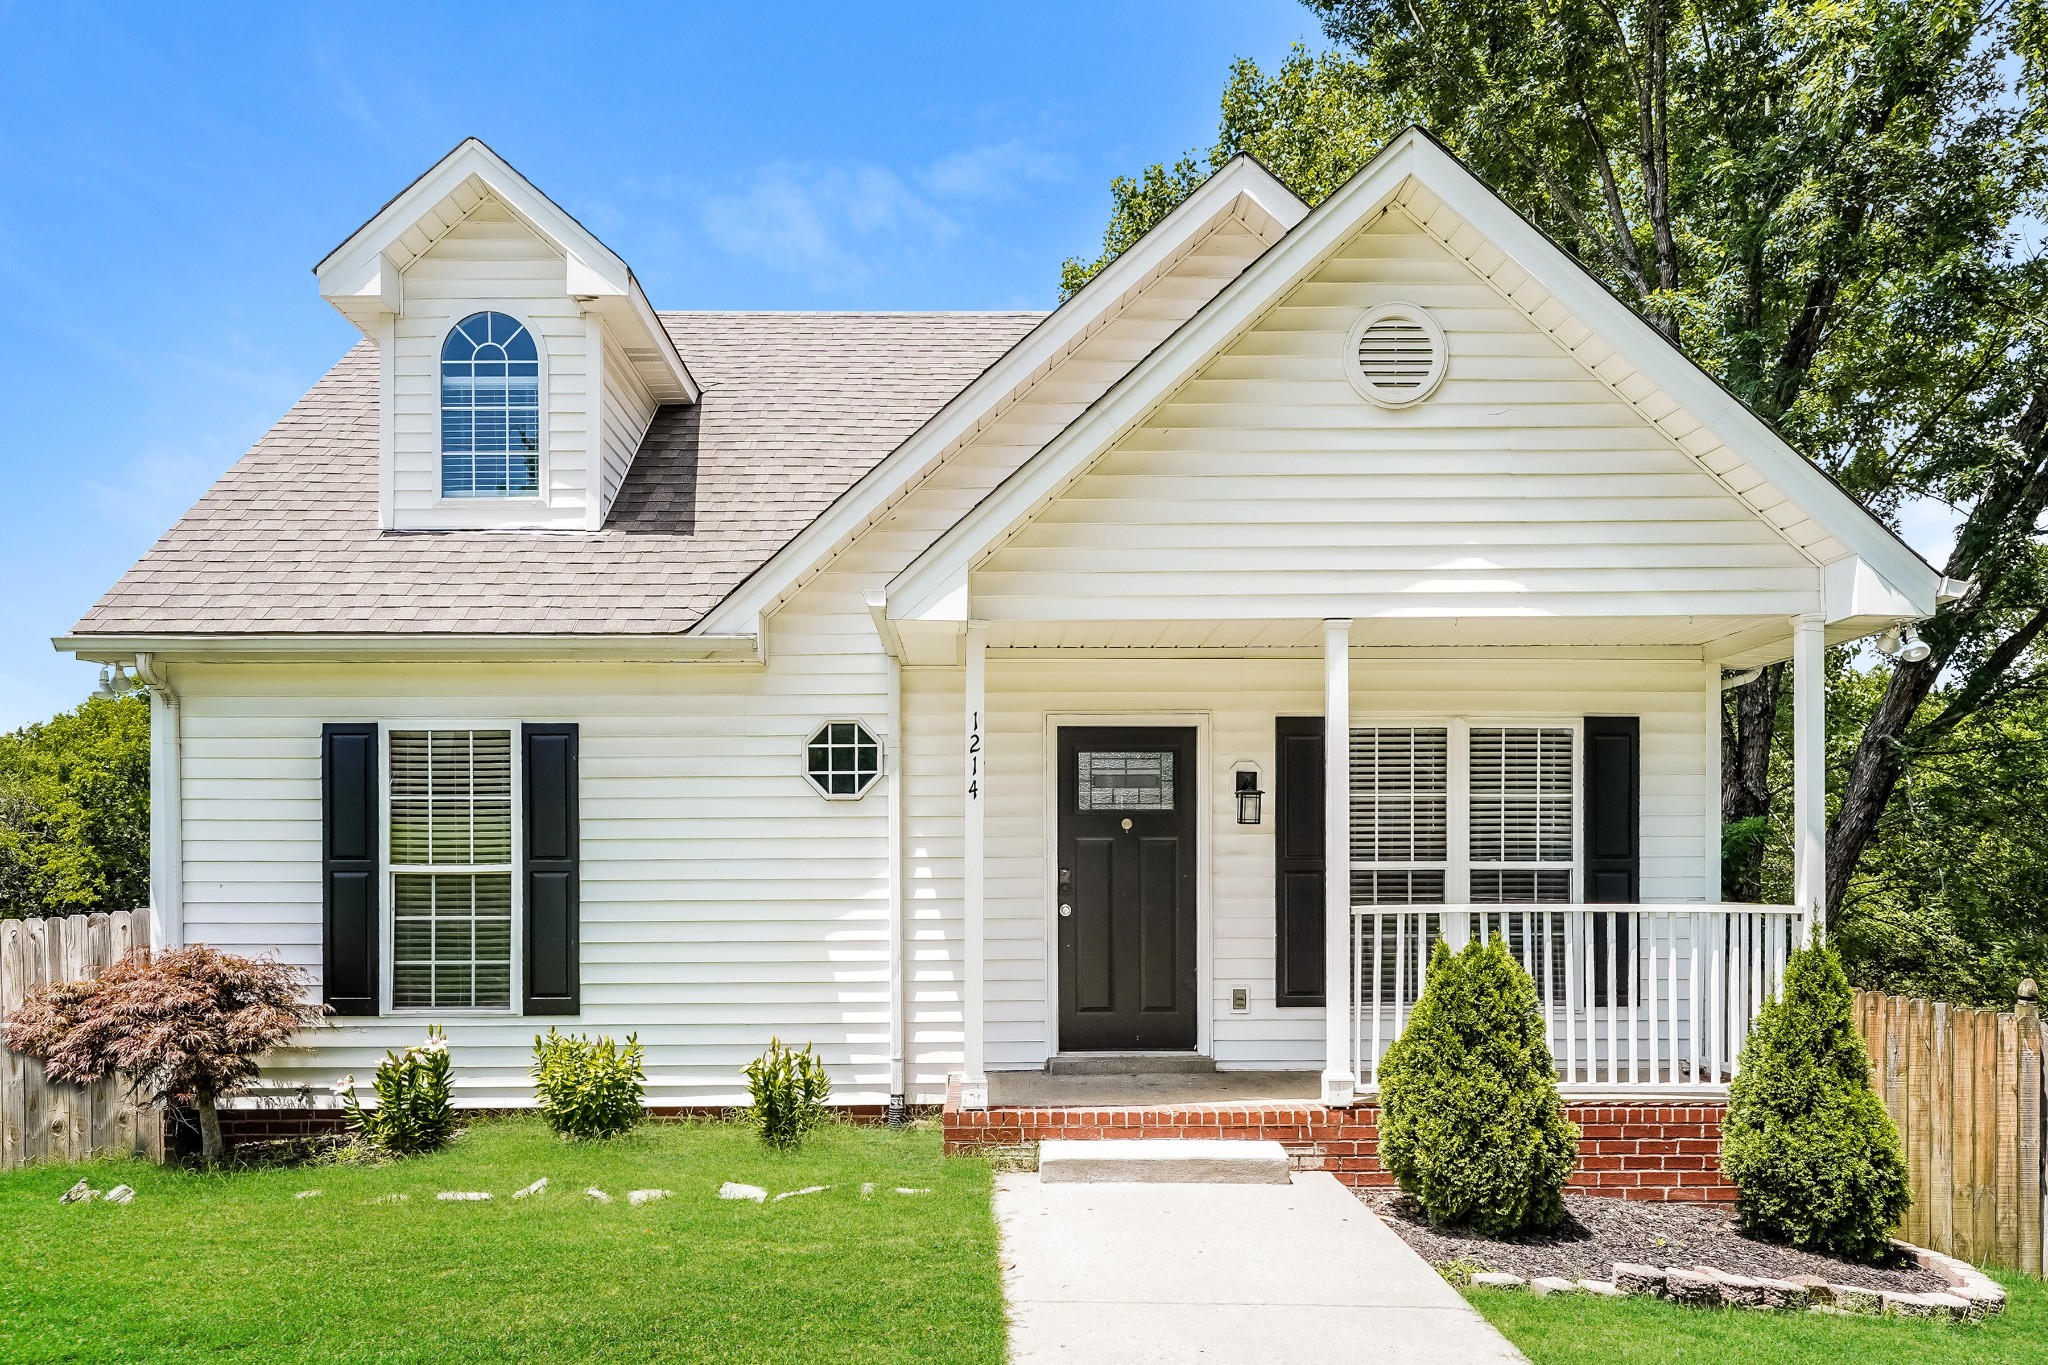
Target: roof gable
{"x":1142,"y":280}
{"x":1417,"y":177}
{"x":364,"y":277}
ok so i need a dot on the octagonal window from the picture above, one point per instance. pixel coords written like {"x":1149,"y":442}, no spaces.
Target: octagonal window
{"x":842,"y":760}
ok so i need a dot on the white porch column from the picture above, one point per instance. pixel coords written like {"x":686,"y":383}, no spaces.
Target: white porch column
{"x":1339,"y":1081}
{"x":1809,"y":769}
{"x":1710,"y":785}
{"x":974,"y":988}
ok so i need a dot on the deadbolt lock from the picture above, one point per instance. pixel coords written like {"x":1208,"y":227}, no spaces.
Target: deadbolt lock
{"x":1066,"y":910}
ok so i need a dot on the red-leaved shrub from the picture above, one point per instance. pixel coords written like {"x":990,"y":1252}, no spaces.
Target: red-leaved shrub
{"x":186,"y":1025}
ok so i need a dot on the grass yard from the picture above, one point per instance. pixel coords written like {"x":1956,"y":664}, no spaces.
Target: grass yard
{"x":234,"y":1268}
{"x":1566,"y":1330}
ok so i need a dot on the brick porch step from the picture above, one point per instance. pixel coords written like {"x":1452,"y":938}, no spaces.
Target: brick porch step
{"x":1162,"y":1161}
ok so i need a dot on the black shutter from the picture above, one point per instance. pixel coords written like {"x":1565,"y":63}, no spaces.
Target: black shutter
{"x":554,"y":943}
{"x":348,"y":867}
{"x":1613,"y":837}
{"x":1298,"y":860}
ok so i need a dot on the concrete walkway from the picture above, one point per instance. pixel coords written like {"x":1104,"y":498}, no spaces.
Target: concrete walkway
{"x":1134,"y":1274}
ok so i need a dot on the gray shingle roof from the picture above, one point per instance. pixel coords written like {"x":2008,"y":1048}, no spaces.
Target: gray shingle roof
{"x":796,"y":407}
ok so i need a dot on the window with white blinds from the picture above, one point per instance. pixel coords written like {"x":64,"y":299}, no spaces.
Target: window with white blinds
{"x":451,"y":867}
{"x":1400,"y":814}
{"x":1509,"y":786}
{"x":1521,"y":823}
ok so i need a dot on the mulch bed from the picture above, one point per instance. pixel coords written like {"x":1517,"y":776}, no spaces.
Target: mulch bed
{"x":1600,"y":1231}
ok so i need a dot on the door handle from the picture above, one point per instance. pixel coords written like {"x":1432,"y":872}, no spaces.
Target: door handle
{"x":1066,"y":910}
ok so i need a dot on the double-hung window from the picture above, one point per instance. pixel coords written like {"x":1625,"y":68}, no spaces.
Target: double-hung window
{"x":1477,"y":814}
{"x":1459,"y":813}
{"x":451,"y":823}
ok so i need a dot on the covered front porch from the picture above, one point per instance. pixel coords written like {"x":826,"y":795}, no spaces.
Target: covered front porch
{"x":1438,"y":766}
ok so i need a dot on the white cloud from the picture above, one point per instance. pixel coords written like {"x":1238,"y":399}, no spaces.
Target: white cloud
{"x":996,"y":170}
{"x":837,"y":225}
{"x":816,"y":222}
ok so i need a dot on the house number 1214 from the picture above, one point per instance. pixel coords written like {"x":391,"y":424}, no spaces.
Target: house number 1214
{"x":974,"y":756}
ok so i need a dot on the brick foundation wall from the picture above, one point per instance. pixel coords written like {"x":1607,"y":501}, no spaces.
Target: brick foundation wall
{"x":1647,"y":1150}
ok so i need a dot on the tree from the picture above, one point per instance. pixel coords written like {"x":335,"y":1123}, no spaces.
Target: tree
{"x":74,"y":811}
{"x":1822,"y":205}
{"x":187,"y":1026}
{"x":1814,"y":1157}
{"x":1471,"y":1122}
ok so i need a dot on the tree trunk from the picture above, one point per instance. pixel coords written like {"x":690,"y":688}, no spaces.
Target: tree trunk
{"x":211,"y":1148}
{"x":1746,"y":780}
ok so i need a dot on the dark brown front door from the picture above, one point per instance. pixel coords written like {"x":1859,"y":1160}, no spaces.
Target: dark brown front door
{"x":1126,"y":888}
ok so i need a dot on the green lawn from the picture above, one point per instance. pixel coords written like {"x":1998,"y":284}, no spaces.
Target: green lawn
{"x":1563,"y":1330}
{"x":233,"y":1268}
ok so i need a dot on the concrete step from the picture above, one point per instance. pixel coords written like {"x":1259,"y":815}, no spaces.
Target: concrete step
{"x":1129,"y":1064}
{"x":1162,"y":1161}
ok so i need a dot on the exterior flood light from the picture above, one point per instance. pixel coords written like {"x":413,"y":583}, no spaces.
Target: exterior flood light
{"x":1249,"y":798}
{"x":1904,"y":644}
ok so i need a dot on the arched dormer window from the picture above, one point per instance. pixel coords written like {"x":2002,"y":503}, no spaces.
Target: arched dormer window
{"x":490,"y":409}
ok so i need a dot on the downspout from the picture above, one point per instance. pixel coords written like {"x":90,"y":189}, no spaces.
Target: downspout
{"x":898,"y":1112}
{"x":166,"y":806}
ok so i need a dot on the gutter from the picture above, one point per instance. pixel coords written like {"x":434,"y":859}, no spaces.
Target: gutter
{"x":366,"y":648}
{"x":166,"y":805}
{"x":898,"y":1111}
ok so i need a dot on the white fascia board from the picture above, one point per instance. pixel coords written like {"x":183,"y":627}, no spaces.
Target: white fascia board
{"x":1412,"y":154}
{"x":1851,"y":588}
{"x":352,"y":648}
{"x":1242,"y":189}
{"x":1664,"y":365}
{"x":360,"y":279}
{"x":946,"y":561}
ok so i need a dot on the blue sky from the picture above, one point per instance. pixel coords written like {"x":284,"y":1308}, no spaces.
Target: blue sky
{"x":167,"y":182}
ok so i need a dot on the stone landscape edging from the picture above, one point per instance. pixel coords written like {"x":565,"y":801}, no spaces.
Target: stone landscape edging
{"x":1971,"y":1296}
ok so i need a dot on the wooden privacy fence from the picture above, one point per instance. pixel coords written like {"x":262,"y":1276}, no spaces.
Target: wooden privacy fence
{"x":1965,"y":1088}
{"x":45,"y":1120}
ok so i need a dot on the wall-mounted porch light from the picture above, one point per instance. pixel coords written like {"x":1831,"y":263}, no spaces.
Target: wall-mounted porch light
{"x":1903,"y":644}
{"x":1249,"y":798}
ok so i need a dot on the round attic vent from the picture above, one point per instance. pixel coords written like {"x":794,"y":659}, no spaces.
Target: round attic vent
{"x":1395,"y":355}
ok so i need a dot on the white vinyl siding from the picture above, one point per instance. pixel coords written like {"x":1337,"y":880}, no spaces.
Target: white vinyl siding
{"x":450,"y":856}
{"x":628,"y":412}
{"x":1523,"y":490}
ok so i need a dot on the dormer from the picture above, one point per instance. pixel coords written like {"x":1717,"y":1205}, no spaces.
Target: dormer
{"x":520,"y":362}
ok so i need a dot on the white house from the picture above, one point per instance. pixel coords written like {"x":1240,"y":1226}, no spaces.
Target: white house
{"x":954,"y":691}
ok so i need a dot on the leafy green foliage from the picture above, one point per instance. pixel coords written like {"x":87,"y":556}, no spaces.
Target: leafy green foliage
{"x":414,"y":1092}
{"x":588,"y":1089}
{"x":1312,"y":123}
{"x":1813,"y":1154}
{"x":1471,"y":1123}
{"x":789,"y":1089}
{"x":74,"y":811}
{"x":1947,"y":903}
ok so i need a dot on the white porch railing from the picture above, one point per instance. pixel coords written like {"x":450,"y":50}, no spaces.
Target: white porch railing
{"x":1646,"y":997}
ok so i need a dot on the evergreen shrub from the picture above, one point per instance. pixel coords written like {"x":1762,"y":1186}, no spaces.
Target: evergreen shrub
{"x":1471,"y":1122}
{"x":1814,"y":1157}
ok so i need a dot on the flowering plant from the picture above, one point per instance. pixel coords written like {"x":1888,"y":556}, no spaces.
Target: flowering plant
{"x":414,"y":1112}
